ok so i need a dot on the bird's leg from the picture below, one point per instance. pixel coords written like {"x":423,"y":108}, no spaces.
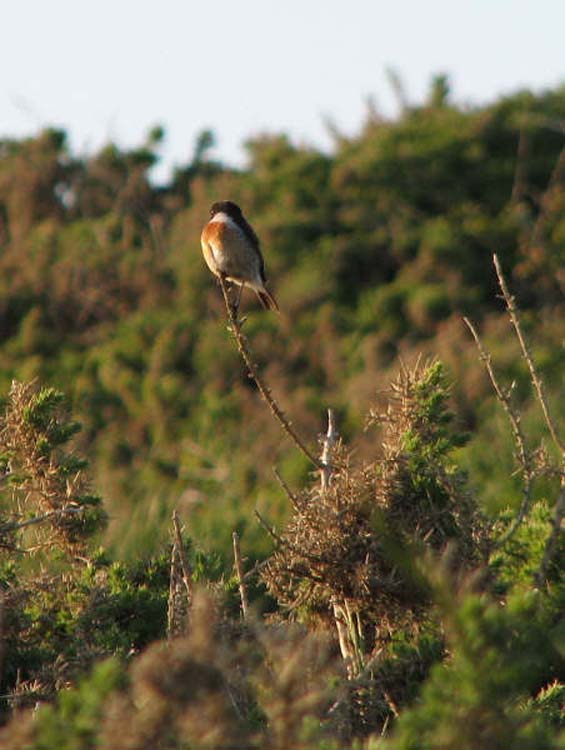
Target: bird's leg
{"x":238,"y":300}
{"x":229,"y":286}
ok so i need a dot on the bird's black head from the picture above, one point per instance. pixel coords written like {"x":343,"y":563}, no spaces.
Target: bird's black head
{"x":226,"y":207}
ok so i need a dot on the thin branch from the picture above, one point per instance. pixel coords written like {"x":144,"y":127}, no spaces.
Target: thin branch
{"x":523,"y":455}
{"x":536,"y":380}
{"x":185,"y":565}
{"x":254,"y":374}
{"x":180,"y":583}
{"x":238,"y":563}
{"x":289,"y":493}
{"x":270,"y":530}
{"x":17,"y":525}
{"x":326,"y":457}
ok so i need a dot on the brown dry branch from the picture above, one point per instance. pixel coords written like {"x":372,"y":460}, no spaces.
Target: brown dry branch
{"x":238,"y":564}
{"x":266,"y":394}
{"x":326,"y":457}
{"x":347,"y":621}
{"x":527,"y":461}
{"x":537,"y":383}
{"x":536,"y":380}
{"x":180,"y":584}
{"x":523,"y":456}
{"x":289,"y":493}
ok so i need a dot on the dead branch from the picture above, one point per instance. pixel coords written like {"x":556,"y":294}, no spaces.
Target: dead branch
{"x":523,"y":456}
{"x":276,"y":411}
{"x":240,"y":575}
{"x":289,"y":493}
{"x":536,"y":380}
{"x":180,"y":583}
{"x":326,"y":457}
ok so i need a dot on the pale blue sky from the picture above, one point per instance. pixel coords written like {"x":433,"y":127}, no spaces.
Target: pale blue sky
{"x":109,"y":69}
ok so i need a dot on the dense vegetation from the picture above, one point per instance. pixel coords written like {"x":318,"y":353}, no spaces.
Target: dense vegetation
{"x":403,"y":600}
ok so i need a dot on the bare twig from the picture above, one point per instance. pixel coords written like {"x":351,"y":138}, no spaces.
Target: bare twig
{"x":326,"y":457}
{"x":536,"y":380}
{"x":240,"y":575}
{"x":269,"y":529}
{"x":349,"y":637}
{"x":180,"y":584}
{"x":289,"y":493}
{"x":17,"y":525}
{"x":522,"y":454}
{"x":254,"y":374}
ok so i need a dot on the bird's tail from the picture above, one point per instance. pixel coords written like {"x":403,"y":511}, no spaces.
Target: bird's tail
{"x":266,"y":299}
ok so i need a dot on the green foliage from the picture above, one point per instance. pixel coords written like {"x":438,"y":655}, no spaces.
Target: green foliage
{"x":104,"y":295}
{"x":74,"y":721}
{"x":45,"y":489}
{"x":516,"y":562}
{"x":500,"y":656}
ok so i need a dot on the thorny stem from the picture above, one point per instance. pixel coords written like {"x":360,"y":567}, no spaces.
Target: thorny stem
{"x":289,"y":493}
{"x":325,"y":458}
{"x":524,"y":458}
{"x":178,"y":559}
{"x":265,"y":392}
{"x":536,"y":380}
{"x":15,"y":526}
{"x":348,"y":629}
{"x":538,"y":386}
{"x":238,"y":563}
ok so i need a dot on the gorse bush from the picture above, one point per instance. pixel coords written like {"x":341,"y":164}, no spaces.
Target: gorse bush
{"x":49,"y":494}
{"x":347,"y":543}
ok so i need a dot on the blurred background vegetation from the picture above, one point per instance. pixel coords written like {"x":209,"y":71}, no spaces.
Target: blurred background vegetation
{"x":375,"y":252}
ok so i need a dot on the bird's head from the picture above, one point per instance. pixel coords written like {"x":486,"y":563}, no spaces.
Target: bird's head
{"x":226,"y":207}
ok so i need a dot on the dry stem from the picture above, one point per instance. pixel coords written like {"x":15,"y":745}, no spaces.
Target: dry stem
{"x":289,"y":493}
{"x":180,"y":586}
{"x":265,"y":392}
{"x":536,"y":380}
{"x":325,"y":458}
{"x":523,"y":455}
{"x":240,"y":575}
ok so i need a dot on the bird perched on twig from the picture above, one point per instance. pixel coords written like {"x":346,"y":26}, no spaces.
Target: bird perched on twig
{"x":231,"y":249}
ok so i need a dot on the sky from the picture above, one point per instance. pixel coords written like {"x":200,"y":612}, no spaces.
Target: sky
{"x":108,"y":70}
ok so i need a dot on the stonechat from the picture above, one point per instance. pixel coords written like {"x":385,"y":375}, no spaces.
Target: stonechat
{"x":231,"y":248}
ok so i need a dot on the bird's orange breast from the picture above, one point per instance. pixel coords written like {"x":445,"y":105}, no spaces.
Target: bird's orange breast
{"x":227,"y":250}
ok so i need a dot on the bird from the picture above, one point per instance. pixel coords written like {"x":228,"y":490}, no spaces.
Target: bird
{"x":231,"y":249}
